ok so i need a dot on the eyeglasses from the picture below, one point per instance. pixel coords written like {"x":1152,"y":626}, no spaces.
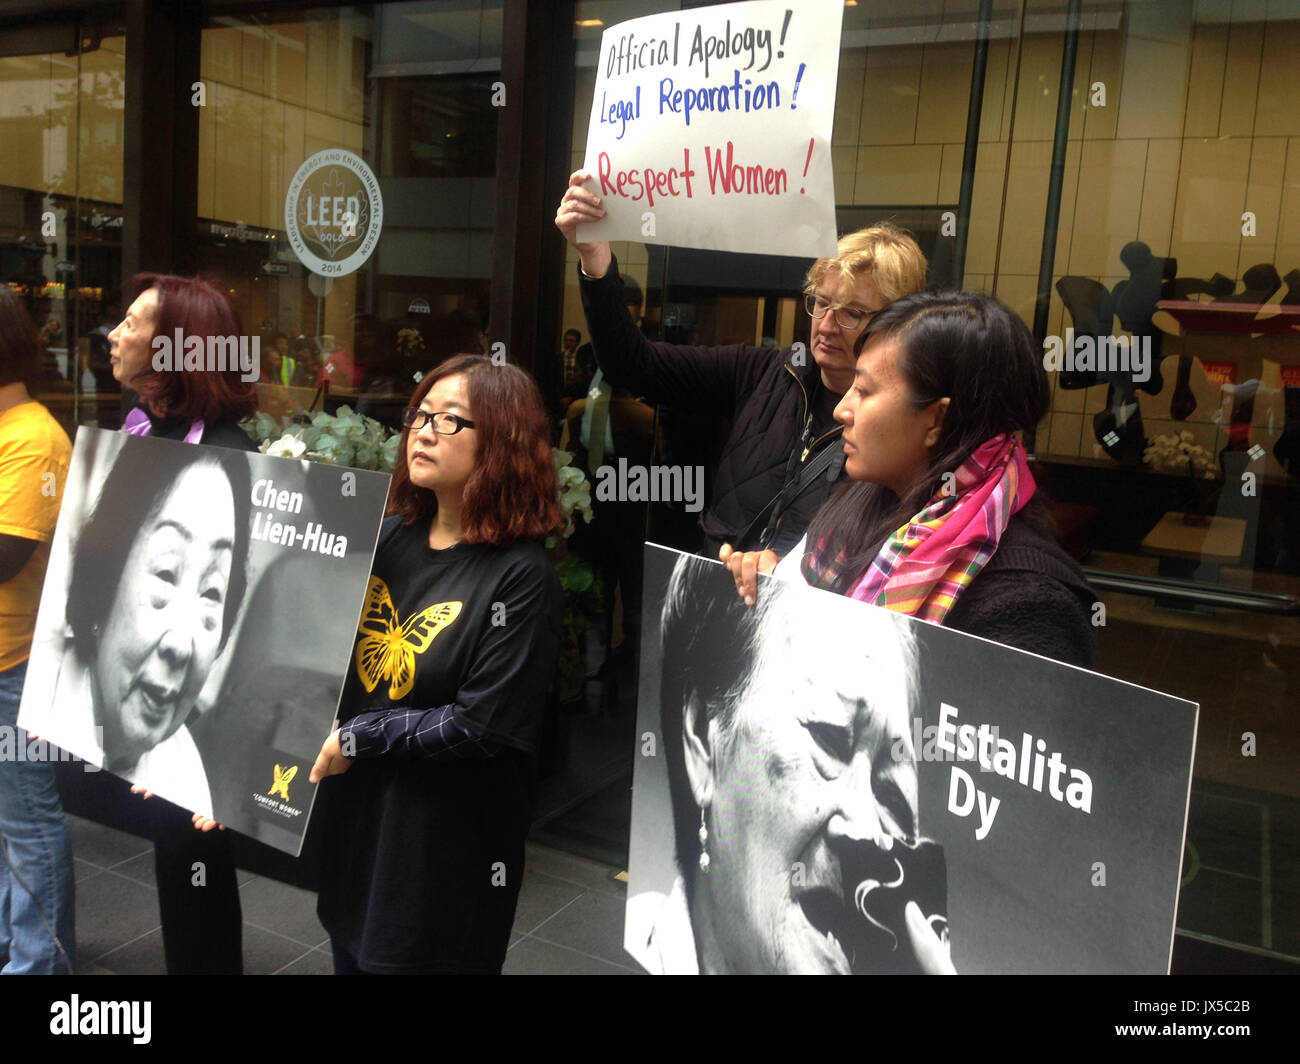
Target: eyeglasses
{"x":444,"y":422}
{"x":846,"y":317}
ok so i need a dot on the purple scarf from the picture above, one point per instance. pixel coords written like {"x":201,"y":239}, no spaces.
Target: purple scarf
{"x":138,"y":424}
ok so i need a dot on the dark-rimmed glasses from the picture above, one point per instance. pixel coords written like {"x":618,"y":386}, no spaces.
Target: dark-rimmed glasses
{"x":444,"y":422}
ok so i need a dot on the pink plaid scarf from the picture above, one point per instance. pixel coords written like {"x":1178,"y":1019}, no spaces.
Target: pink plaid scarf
{"x":928,"y":562}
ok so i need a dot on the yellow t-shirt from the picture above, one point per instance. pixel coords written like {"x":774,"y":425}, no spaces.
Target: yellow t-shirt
{"x":32,"y":445}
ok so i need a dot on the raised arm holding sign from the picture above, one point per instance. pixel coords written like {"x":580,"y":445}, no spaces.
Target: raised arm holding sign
{"x":710,"y":128}
{"x":779,"y":402}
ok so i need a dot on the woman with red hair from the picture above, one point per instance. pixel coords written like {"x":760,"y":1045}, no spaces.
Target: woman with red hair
{"x":151,"y":349}
{"x":423,"y":840}
{"x":192,"y":388}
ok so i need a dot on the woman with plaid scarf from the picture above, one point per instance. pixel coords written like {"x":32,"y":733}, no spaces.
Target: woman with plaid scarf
{"x":941,"y":520}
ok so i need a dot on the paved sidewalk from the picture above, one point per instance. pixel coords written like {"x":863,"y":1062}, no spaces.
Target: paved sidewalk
{"x":569,"y":921}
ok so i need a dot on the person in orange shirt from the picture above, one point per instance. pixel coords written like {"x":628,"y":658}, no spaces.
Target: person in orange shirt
{"x":37,"y":934}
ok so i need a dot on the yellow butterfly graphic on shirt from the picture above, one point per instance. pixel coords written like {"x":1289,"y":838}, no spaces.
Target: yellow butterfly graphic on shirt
{"x":388,"y":645}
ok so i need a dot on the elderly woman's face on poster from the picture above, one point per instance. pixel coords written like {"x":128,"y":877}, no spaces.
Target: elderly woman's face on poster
{"x":164,"y":629}
{"x":813,"y":788}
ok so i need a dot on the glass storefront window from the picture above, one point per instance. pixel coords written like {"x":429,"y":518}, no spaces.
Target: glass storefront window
{"x":1173,"y":454}
{"x":61,"y":120}
{"x":405,"y":87}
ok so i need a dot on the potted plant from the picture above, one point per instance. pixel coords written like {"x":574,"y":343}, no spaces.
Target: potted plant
{"x":1179,"y":453}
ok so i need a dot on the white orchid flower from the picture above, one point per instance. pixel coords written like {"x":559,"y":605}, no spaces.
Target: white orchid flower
{"x":287,"y":446}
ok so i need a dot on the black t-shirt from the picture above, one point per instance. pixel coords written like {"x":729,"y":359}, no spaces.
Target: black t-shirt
{"x":824,"y":402}
{"x":422,"y":860}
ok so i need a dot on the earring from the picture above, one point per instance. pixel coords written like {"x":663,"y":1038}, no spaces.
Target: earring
{"x":704,"y":845}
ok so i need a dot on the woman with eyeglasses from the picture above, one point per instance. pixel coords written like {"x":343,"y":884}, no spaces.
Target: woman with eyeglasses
{"x":782,"y":458}
{"x":429,"y":779}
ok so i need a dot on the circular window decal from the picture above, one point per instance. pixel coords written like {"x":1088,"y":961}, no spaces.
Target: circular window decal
{"x":333,"y":212}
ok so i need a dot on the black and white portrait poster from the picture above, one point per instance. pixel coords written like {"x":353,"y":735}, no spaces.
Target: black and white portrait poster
{"x":196,"y":622}
{"x":826,"y":786}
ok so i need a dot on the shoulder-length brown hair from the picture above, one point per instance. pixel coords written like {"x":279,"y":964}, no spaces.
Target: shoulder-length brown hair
{"x":511,"y":494}
{"x":197,"y":308}
{"x":20,"y":344}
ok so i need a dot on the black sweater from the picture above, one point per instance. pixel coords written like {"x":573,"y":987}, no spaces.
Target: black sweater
{"x":1031,"y":596}
{"x":766,"y":394}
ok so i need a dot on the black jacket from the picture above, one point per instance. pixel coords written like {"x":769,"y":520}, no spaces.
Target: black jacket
{"x":226,"y":434}
{"x":1031,"y":596}
{"x":763,"y":393}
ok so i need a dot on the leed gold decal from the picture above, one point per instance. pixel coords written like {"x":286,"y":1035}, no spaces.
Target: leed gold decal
{"x":333,"y":212}
{"x":283,"y":777}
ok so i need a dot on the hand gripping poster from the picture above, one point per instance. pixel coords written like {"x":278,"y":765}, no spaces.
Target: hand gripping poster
{"x":711,"y":128}
{"x":825,"y":786}
{"x":198,"y":613}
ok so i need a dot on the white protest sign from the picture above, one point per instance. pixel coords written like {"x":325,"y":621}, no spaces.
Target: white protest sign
{"x":711,"y":128}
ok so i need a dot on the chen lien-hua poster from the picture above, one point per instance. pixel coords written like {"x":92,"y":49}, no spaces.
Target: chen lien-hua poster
{"x":198,"y":614}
